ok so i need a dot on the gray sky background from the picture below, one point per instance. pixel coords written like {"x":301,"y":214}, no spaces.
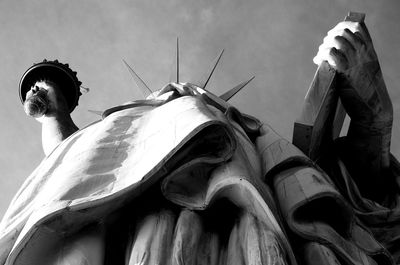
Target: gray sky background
{"x":274,"y":40}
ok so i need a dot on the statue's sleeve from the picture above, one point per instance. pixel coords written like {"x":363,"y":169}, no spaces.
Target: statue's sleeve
{"x":322,"y":224}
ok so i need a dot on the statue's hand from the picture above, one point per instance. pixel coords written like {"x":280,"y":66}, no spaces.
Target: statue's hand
{"x":348,"y":48}
{"x":366,"y":150}
{"x":347,"y":45}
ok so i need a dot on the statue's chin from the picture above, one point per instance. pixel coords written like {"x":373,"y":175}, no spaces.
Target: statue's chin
{"x":36,"y":105}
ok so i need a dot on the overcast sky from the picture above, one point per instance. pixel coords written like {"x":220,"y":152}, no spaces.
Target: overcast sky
{"x":274,"y":40}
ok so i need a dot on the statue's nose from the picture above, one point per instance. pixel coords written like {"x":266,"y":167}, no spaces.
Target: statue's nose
{"x":35,"y":89}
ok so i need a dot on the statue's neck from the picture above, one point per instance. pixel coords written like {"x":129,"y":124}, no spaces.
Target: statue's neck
{"x":55,"y":129}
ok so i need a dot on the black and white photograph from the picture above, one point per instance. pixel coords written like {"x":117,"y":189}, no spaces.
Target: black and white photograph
{"x":215,"y":132}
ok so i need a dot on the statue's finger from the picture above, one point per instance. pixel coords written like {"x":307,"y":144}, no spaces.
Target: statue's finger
{"x":338,"y":41}
{"x":353,"y":27}
{"x":346,"y":49}
{"x":354,"y":38}
{"x":324,"y":54}
{"x":337,"y":59}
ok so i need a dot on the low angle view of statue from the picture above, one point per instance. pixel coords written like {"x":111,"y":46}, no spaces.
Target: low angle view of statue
{"x":184,"y":177}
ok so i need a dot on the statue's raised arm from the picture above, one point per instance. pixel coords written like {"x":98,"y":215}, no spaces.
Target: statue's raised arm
{"x":366,"y":149}
{"x":350,"y":215}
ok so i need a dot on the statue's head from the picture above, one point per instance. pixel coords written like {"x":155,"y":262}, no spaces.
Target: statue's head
{"x":49,"y":82}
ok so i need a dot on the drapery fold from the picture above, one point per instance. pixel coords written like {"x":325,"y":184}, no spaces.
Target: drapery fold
{"x":109,"y":164}
{"x":103,"y":166}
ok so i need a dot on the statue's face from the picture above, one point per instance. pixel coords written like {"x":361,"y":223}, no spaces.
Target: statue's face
{"x":37,"y":103}
{"x":44,"y":98}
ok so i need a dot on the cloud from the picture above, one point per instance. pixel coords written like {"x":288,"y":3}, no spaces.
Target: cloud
{"x":206,"y":16}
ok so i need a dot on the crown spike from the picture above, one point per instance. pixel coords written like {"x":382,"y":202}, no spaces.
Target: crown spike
{"x":174,"y":74}
{"x":230,"y":93}
{"x":144,"y":89}
{"x":207,"y":78}
{"x":177,"y":60}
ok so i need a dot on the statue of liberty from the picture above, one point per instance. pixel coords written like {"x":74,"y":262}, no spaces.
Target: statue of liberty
{"x":183,"y":177}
